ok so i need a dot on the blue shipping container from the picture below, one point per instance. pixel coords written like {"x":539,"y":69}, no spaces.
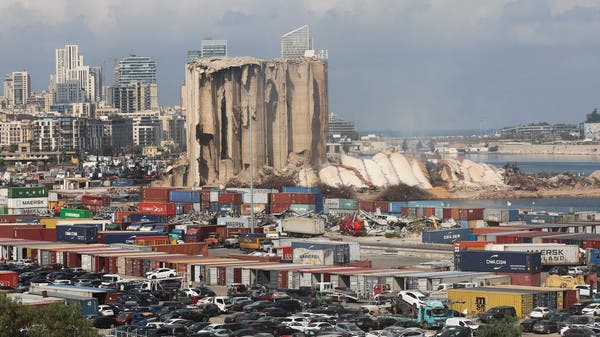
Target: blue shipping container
{"x":513,"y":215}
{"x":184,"y":196}
{"x":446,"y":236}
{"x":395,"y":207}
{"x":319,"y":202}
{"x":89,"y":306}
{"x":594,"y":257}
{"x":148,"y":218}
{"x":426,"y":203}
{"x":121,"y":182}
{"x":463,"y":223}
{"x":76,"y":234}
{"x":498,"y":261}
{"x":299,"y":189}
{"x":122,"y":236}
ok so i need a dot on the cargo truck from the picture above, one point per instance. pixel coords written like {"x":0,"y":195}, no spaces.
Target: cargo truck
{"x":302,"y":227}
{"x":252,"y":241}
{"x":431,"y":315}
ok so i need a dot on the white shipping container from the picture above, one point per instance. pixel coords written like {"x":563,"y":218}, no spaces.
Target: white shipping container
{"x":553,"y":254}
{"x":3,"y":192}
{"x":246,"y":276}
{"x":121,"y":265}
{"x":234,"y":222}
{"x":52,"y":196}
{"x":305,"y":280}
{"x":28,"y":203}
{"x":3,"y":200}
{"x":259,"y":198}
{"x":196,"y":207}
{"x":27,"y":211}
{"x":354,"y":251}
{"x":331,"y":203}
{"x":212,"y":272}
{"x":308,"y":226}
{"x":86,"y":262}
{"x":313,"y":256}
{"x":214,"y":196}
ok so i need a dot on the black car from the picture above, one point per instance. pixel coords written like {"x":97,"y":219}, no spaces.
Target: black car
{"x":239,"y":305}
{"x":575,"y":308}
{"x":499,"y":312}
{"x":365,"y":323}
{"x":172,"y":330}
{"x":289,"y":305}
{"x":527,"y":324}
{"x":455,"y":331}
{"x":197,"y":326}
{"x":545,"y":326}
{"x":257,"y":306}
{"x":558,"y":270}
{"x":580,"y":331}
{"x":384,"y":322}
{"x":274,"y":311}
{"x":576,"y":320}
{"x":104,"y":322}
{"x":283,"y":330}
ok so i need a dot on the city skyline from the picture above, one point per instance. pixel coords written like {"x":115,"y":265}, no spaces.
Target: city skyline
{"x":406,"y":65}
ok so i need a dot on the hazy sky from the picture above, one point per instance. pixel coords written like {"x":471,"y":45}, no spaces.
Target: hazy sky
{"x":399,"y":65}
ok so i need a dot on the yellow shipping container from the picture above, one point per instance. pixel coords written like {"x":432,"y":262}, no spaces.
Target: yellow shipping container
{"x":556,"y":281}
{"x":49,"y":222}
{"x":478,"y":300}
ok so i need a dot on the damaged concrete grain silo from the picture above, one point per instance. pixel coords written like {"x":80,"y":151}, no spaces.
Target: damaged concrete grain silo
{"x":287,"y":99}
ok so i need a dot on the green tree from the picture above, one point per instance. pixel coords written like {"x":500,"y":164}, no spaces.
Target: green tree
{"x":506,"y":327}
{"x":55,"y":320}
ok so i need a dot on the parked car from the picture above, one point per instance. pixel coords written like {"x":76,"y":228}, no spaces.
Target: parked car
{"x":105,"y":310}
{"x":461,"y":321}
{"x":104,"y":322}
{"x":576,"y":308}
{"x":350,"y":329}
{"x":592,"y":309}
{"x":580,"y":331}
{"x":497,"y":313}
{"x":527,"y":324}
{"x":161,"y":273}
{"x":412,"y":297}
{"x":545,"y":326}
{"x":455,"y":331}
{"x":585,"y":290}
{"x":540,"y":312}
{"x":559,"y":270}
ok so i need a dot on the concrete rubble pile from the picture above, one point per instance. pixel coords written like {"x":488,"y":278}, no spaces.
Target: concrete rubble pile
{"x":285,"y":101}
{"x":468,"y":175}
{"x":382,"y":170}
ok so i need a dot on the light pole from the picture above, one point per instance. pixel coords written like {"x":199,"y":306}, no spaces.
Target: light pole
{"x":251,"y":168}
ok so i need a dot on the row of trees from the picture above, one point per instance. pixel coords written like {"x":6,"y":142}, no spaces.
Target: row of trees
{"x":54,"y":320}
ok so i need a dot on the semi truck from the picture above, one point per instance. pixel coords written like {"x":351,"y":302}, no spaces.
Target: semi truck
{"x":431,"y":315}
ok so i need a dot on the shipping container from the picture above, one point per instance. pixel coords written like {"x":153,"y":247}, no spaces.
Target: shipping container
{"x":184,"y":196}
{"x":256,"y":198}
{"x":149,"y":218}
{"x":445,"y":236}
{"x":9,"y":279}
{"x":478,"y":300}
{"x":275,"y":208}
{"x":95,"y":200}
{"x":341,"y":251}
{"x":395,"y":207}
{"x":300,"y":189}
{"x":230,"y":198}
{"x":27,"y":192}
{"x":112,"y":237}
{"x":470,"y":213}
{"x":237,"y":222}
{"x":258,"y":208}
{"x":498,"y":261}
{"x":303,"y":226}
{"x":313,"y":256}
{"x":122,"y":182}
{"x":303,"y":208}
{"x":302,"y":198}
{"x":552,"y":254}
{"x":77,"y":234}
{"x":159,"y":208}
{"x":523,"y":279}
{"x":158,"y":194}
{"x":280,"y":198}
{"x":76,"y":213}
{"x":41,"y":202}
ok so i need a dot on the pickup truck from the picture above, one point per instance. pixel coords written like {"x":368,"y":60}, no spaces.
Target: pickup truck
{"x":232,"y":242}
{"x":222,"y":302}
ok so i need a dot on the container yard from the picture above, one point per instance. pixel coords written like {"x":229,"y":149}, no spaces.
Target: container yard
{"x":479,"y":258}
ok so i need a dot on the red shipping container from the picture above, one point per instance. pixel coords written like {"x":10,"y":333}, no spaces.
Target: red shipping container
{"x":160,"y":208}
{"x":95,"y":200}
{"x":509,"y":239}
{"x":282,"y":279}
{"x":237,"y":275}
{"x":73,"y":260}
{"x":122,"y":217}
{"x":523,"y":279}
{"x":592,"y":244}
{"x":7,"y":219}
{"x":303,"y":198}
{"x":471,"y":245}
{"x":49,"y":234}
{"x":367,"y":206}
{"x":278,"y":207}
{"x":470,"y":213}
{"x":287,"y":253}
{"x":230,"y":198}
{"x":9,"y":278}
{"x":429,"y":211}
{"x":447,"y":213}
{"x":382,"y":205}
{"x":404,"y":211}
{"x":34,"y":234}
{"x":280,"y":198}
{"x":156,"y":193}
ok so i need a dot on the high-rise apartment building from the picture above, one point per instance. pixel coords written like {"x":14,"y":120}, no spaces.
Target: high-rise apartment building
{"x":134,"y":68}
{"x":193,"y":55}
{"x":296,"y":42}
{"x":213,"y":48}
{"x":17,"y":88}
{"x":135,"y":97}
{"x":69,"y":68}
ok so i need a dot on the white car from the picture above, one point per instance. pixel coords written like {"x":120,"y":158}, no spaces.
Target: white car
{"x":319,"y":326}
{"x":462,"y":321}
{"x":161,"y":273}
{"x":379,"y":333}
{"x":105,"y":310}
{"x":539,"y":312}
{"x":592,"y":309}
{"x":294,"y":319}
{"x":577,"y":270}
{"x":412,"y":297}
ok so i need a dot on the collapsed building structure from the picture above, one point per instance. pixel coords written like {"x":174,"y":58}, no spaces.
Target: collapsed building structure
{"x":285,"y":98}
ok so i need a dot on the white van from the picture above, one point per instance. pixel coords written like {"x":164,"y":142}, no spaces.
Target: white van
{"x":462,"y":321}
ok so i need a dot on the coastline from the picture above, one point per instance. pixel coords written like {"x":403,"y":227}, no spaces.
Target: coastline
{"x":518,"y":194}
